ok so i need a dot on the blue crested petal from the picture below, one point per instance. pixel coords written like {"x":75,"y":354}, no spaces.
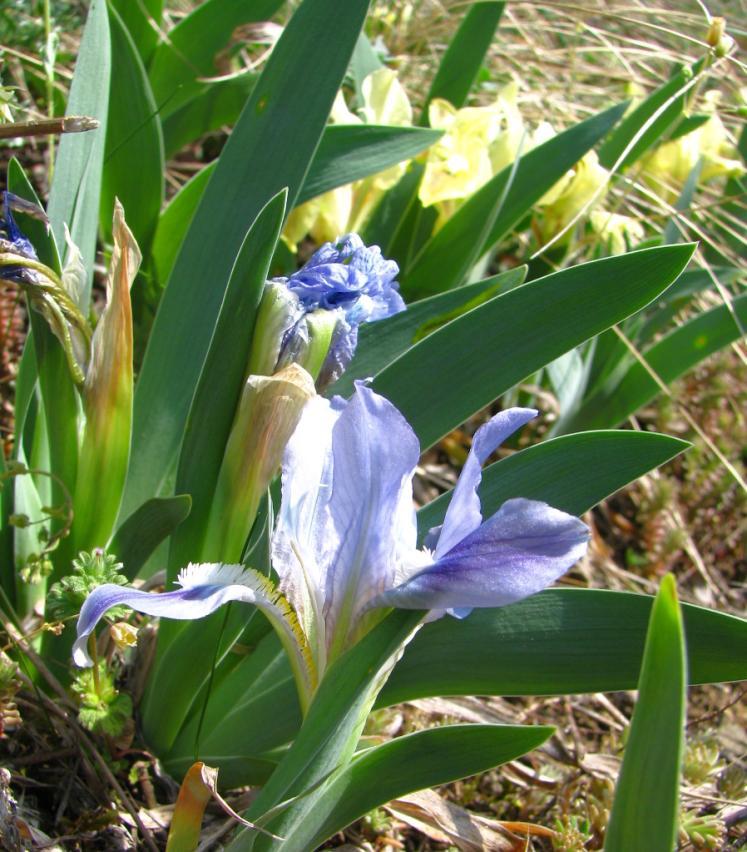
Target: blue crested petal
{"x":339,"y":274}
{"x":205,"y":588}
{"x":523,"y":548}
{"x":464,"y":515}
{"x":375,"y":453}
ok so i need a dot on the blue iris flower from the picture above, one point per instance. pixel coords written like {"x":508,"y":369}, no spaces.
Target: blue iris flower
{"x":345,"y":543}
{"x":352,"y":281}
{"x":13,"y":240}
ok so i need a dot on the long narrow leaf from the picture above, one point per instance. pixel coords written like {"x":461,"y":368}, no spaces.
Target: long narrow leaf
{"x":465,"y":54}
{"x":669,"y":358}
{"x":380,"y":343}
{"x":188,"y":53}
{"x":623,"y":135}
{"x":74,"y":197}
{"x":270,"y":148}
{"x":146,"y":528}
{"x":572,"y":473}
{"x":645,"y":811}
{"x":414,"y":762}
{"x":559,"y":642}
{"x":133,"y":136}
{"x":462,"y":367}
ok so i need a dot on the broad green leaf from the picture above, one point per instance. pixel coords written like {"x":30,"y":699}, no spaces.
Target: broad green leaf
{"x":346,"y":153}
{"x":464,"y":366}
{"x":572,"y":473}
{"x":329,"y":734}
{"x":259,"y":687}
{"x":350,"y":152}
{"x":183,"y":665}
{"x":213,"y":407}
{"x":633,"y":123}
{"x":181,"y":61}
{"x":215,"y":105}
{"x":133,"y":159}
{"x":645,"y":811}
{"x":559,"y":642}
{"x":380,"y":343}
{"x":7,"y":568}
{"x":76,"y":186}
{"x":270,"y":148}
{"x":669,"y":358}
{"x":382,"y":773}
{"x":464,"y":56}
{"x":146,"y":528}
{"x":27,"y":541}
{"x":143,"y":19}
{"x":562,"y":641}
{"x":674,"y":232}
{"x":688,"y":123}
{"x":174,"y":222}
{"x":495,"y":209}
{"x":387,"y":226}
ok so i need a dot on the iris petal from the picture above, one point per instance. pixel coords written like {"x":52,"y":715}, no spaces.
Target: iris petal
{"x":375,"y":454}
{"x":523,"y":548}
{"x":464,"y":515}
{"x":205,"y":588}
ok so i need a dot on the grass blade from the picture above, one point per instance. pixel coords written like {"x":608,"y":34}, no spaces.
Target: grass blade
{"x":645,"y":811}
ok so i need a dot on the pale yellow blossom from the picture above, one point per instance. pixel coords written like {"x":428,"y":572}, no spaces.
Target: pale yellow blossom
{"x":477,"y":143}
{"x":346,"y":208}
{"x":584,"y":185}
{"x":668,"y":167}
{"x":618,"y":232}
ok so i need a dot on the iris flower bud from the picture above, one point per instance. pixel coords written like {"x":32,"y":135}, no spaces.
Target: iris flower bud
{"x":312,"y":317}
{"x":107,"y":399}
{"x":267,"y":415}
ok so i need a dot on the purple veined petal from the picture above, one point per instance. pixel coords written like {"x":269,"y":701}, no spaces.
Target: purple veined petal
{"x":523,"y":548}
{"x":464,"y":515}
{"x":205,"y":588}
{"x":375,"y":454}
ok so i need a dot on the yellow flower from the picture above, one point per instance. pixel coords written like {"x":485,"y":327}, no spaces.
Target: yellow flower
{"x":618,"y":232}
{"x":668,"y":167}
{"x":561,"y":204}
{"x":345,"y":209}
{"x":477,"y":143}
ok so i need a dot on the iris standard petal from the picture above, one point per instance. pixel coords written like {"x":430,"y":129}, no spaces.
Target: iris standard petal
{"x":375,"y":454}
{"x":464,"y":515}
{"x":523,"y":548}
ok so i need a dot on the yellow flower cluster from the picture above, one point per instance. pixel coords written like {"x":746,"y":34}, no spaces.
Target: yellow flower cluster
{"x":346,"y":208}
{"x":479,"y":142}
{"x":669,"y":165}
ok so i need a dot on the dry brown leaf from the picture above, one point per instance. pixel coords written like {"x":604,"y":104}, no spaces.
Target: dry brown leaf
{"x":446,"y":822}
